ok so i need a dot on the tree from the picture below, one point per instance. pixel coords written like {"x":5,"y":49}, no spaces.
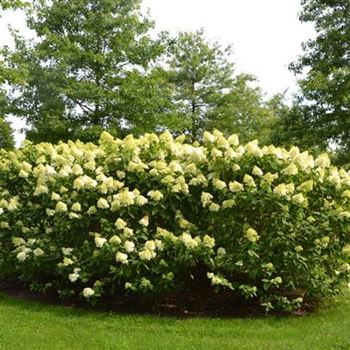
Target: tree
{"x":201,"y":74}
{"x":321,"y":113}
{"x":6,"y":138}
{"x":244,"y":111}
{"x":13,"y":4}
{"x":75,"y":77}
{"x":206,"y":94}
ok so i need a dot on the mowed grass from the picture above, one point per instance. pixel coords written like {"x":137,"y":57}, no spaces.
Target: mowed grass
{"x":31,"y":325}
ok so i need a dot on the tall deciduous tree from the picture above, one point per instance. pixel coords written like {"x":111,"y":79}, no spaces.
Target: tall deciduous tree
{"x":245,"y":112}
{"x":77,"y":73}
{"x":321,"y":115}
{"x":207,"y":95}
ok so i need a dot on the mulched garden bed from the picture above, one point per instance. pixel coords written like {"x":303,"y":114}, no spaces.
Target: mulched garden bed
{"x":194,"y":302}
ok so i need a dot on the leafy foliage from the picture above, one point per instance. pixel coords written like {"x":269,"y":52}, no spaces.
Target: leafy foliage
{"x":321,"y":113}
{"x":207,"y":95}
{"x":201,"y":74}
{"x":75,"y":78}
{"x":13,"y":4}
{"x":145,"y":216}
{"x":93,"y":66}
{"x":6,"y":139}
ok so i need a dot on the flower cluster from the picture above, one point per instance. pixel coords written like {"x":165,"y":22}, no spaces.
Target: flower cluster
{"x":133,"y":214}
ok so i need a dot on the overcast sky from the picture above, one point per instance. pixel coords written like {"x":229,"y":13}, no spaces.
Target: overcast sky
{"x":266,"y":34}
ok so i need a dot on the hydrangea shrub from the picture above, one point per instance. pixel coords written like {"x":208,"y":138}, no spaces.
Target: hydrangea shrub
{"x":143,"y":215}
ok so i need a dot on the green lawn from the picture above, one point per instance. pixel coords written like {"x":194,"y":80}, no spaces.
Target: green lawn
{"x":30,"y":325}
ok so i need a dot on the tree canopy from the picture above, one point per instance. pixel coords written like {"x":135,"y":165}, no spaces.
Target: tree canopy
{"x":207,"y":94}
{"x":93,"y":65}
{"x":320,"y":116}
{"x":74,"y":74}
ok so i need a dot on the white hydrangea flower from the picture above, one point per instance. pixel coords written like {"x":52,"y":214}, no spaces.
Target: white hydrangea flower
{"x":251,"y":235}
{"x":268,"y":177}
{"x":26,"y":167}
{"x":73,"y":277}
{"x":159,"y":244}
{"x":249,"y":181}
{"x":91,"y":165}
{"x":206,"y":198}
{"x":99,"y":242}
{"x":229,"y":203}
{"x":67,"y":261}
{"x":299,"y":199}
{"x":129,"y":246}
{"x":67,"y":251}
{"x":102,"y":204}
{"x":306,"y":186}
{"x":120,"y":224}
{"x":346,"y":194}
{"x":127,"y":231}
{"x":121,"y":174}
{"x":12,"y":204}
{"x":155,"y":195}
{"x":115,"y":240}
{"x":17,"y":241}
{"x":214,"y":207}
{"x":189,"y":242}
{"x":4,"y":224}
{"x":209,"y":241}
{"x":38,"y":252}
{"x":40,"y":189}
{"x":92,"y":210}
{"x":208,"y":137}
{"x":63,"y":189}
{"x":219,"y":184}
{"x":235,"y":186}
{"x":280,"y":190}
{"x":61,"y":207}
{"x":233,"y":140}
{"x":76,"y":207}
{"x":323,"y":161}
{"x":150,"y":245}
{"x":146,"y":283}
{"x":257,"y":171}
{"x":221,"y":251}
{"x":121,"y":257}
{"x":144,"y":221}
{"x":74,"y":216}
{"x":22,"y":173}
{"x":55,"y":196}
{"x":147,"y":254}
{"x":216,"y":153}
{"x":291,"y":169}
{"x":22,"y":256}
{"x":277,"y":280}
{"x":77,"y":170}
{"x":78,"y":183}
{"x":252,"y":148}
{"x":88,"y":293}
{"x":127,"y":285}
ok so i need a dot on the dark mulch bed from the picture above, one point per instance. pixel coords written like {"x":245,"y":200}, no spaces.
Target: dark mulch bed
{"x":197,"y":302}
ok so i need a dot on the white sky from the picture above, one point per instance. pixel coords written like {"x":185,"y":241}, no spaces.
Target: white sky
{"x":266,"y":34}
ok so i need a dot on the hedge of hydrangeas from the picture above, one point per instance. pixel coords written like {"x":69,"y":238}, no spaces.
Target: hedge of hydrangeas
{"x":142,"y":215}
